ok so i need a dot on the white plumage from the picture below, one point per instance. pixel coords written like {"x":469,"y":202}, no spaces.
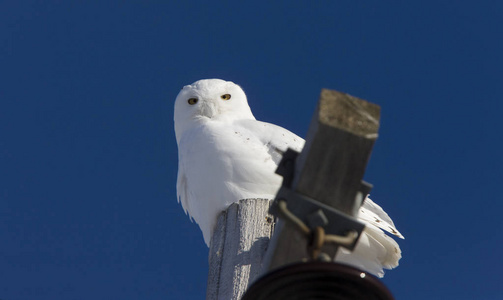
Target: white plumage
{"x":225,"y":154}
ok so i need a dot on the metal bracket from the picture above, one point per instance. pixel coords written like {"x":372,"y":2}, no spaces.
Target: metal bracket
{"x":304,"y":208}
{"x":286,"y":166}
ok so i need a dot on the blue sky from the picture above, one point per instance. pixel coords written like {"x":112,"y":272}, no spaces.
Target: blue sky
{"x":88,"y":157}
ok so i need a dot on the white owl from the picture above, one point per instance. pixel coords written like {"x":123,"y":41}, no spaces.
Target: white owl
{"x":225,"y":155}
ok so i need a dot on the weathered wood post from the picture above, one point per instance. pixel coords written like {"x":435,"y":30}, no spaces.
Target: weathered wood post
{"x":329,"y":170}
{"x":331,"y":166}
{"x":237,"y":248}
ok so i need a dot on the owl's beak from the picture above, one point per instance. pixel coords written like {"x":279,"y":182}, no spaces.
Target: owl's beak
{"x":208,"y":109}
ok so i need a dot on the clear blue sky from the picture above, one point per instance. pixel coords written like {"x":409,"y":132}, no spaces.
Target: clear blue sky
{"x":88,"y":156}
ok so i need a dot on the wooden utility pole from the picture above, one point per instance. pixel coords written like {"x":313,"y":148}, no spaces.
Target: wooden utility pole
{"x":322,"y":187}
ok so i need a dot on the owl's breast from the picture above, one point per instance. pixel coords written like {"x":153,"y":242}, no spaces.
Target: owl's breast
{"x":231,"y":157}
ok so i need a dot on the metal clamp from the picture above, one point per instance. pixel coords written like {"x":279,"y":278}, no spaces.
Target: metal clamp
{"x":309,"y":216}
{"x":317,"y":236}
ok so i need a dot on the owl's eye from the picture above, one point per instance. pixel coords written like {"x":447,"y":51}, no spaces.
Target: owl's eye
{"x":192,"y":101}
{"x":226,"y":96}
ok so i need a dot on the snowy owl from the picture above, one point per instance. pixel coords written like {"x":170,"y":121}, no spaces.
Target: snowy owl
{"x":225,"y":154}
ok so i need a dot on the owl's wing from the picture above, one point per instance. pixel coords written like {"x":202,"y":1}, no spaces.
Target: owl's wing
{"x":375,"y":250}
{"x":277,"y":139}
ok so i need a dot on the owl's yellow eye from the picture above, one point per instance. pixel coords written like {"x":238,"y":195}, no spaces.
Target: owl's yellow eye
{"x":226,"y":96}
{"x":192,"y":101}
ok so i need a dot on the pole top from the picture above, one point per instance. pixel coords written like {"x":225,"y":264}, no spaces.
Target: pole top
{"x":348,"y":113}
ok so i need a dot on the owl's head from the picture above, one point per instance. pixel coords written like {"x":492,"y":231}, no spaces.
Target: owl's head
{"x":210,"y":99}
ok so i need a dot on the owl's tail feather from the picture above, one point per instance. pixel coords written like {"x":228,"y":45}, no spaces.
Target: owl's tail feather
{"x":374,"y":252}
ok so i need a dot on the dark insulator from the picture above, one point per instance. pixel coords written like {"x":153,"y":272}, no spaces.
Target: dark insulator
{"x":317,"y":280}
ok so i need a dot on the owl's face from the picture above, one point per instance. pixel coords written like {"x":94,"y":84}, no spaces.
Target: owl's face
{"x":210,"y":99}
